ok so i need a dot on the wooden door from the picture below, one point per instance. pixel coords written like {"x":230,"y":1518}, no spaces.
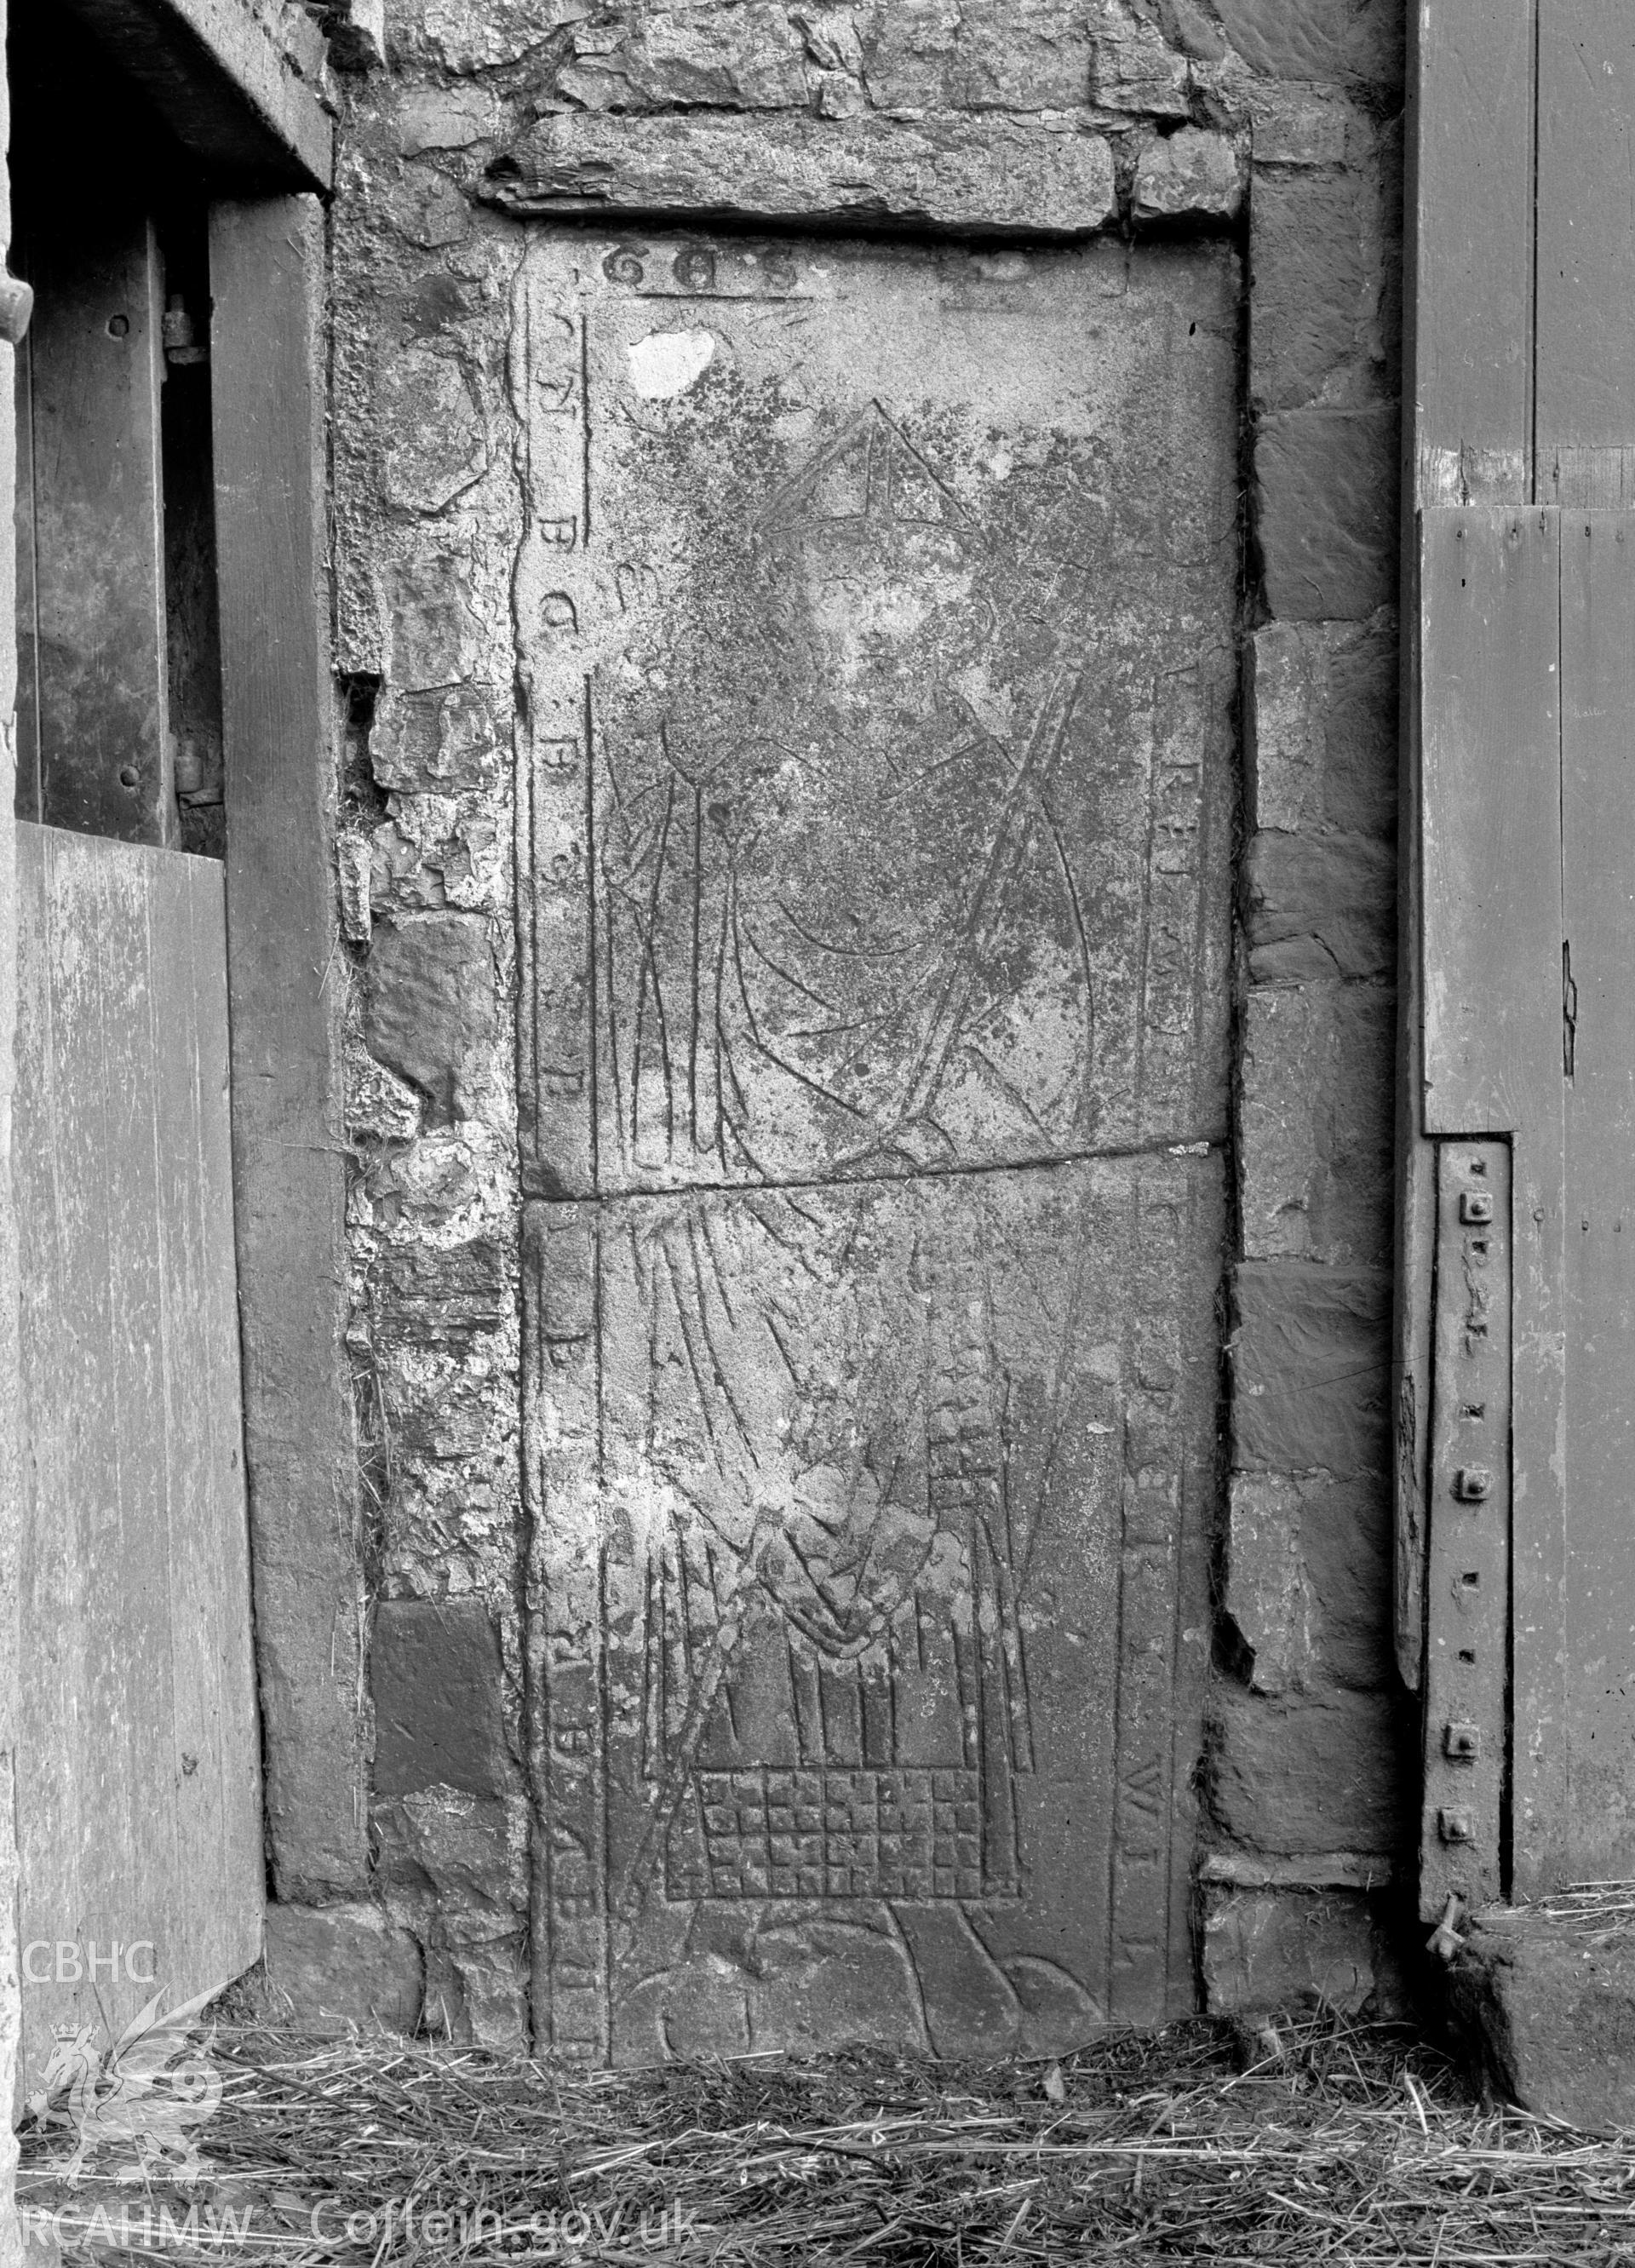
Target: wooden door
{"x":139,"y":1805}
{"x":876,"y":609}
{"x":1519,"y":1270}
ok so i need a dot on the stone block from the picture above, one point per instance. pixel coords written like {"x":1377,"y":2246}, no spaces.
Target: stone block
{"x":432,"y":630}
{"x":1134,"y":67}
{"x":1308,"y":1583}
{"x":435,"y":1674}
{"x":989,"y":173}
{"x":1269,"y":1950}
{"x":1326,"y":512}
{"x":1320,"y":906}
{"x":1315,"y":287}
{"x":433,"y":441}
{"x":441,"y":1295}
{"x":342,"y":1965}
{"x":1315,"y":1120}
{"x":444,"y":118}
{"x":750,"y":57}
{"x":454,"y":1867}
{"x":440,"y":740}
{"x":1311,"y":1366}
{"x":1191,"y":174}
{"x":432,"y":1011}
{"x":976,"y":55}
{"x":1316,"y":1771}
{"x":1333,"y":40}
{"x":1189,"y":27}
{"x":818,"y":1756}
{"x":1323,"y":727}
{"x":1548,"y":2015}
{"x":1292,"y":126}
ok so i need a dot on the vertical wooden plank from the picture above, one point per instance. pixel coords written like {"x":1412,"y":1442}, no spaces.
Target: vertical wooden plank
{"x":221,"y":1531}
{"x":1598,"y":867}
{"x":216,"y":1741}
{"x":10,"y":1475}
{"x":65,"y":1436}
{"x":1491,"y":818}
{"x":1585,"y":348}
{"x":128,"y":1632}
{"x":1470,"y":249}
{"x":1491,"y":975}
{"x":96,"y":365}
{"x":266,"y":274}
{"x":77,"y":1728}
{"x":1467,"y":439}
{"x":137,"y":1796}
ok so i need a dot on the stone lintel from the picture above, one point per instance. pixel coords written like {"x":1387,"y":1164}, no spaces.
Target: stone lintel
{"x":985,"y":176}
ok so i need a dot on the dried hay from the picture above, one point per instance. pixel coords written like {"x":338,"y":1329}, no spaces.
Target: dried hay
{"x":1317,"y":2140}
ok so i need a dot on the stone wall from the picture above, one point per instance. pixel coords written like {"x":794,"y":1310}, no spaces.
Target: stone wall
{"x":1312,"y":1768}
{"x":984,"y":117}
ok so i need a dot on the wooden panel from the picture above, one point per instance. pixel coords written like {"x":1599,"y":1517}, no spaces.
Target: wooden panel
{"x":1598,"y":866}
{"x":1468,"y":422}
{"x":95,"y":365}
{"x":1490,"y":945}
{"x":1491,"y":976}
{"x":266,"y":270}
{"x":217,"y":77}
{"x":138,"y":1803}
{"x":1467,"y":1665}
{"x":1586,"y":348}
{"x":1470,"y":249}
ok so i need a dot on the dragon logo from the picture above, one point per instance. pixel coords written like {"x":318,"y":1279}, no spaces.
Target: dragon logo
{"x":140,"y":2100}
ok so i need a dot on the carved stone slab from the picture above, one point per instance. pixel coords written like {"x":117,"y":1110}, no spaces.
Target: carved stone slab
{"x":875,"y":621}
{"x":875,"y":617}
{"x":868,"y":1609}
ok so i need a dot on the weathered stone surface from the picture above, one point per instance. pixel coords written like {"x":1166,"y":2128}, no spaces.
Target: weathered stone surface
{"x":1321,"y":740}
{"x":455,"y":36}
{"x":872,"y":1519}
{"x":434,"y":1673}
{"x":1549,"y":2014}
{"x":444,"y":118}
{"x":432,"y":632}
{"x":1311,"y":1365}
{"x":450,"y":736}
{"x":1134,"y":67}
{"x":1319,"y":38}
{"x":453,"y":1867}
{"x":431,"y":1012}
{"x":1191,"y":28}
{"x":985,"y":175}
{"x":749,"y":58}
{"x":1326,"y":511}
{"x":977,"y":54}
{"x":1190,"y":172}
{"x":1315,"y":289}
{"x":1320,"y":906}
{"x":434,"y":446}
{"x":908,"y":802}
{"x":1315,"y":1114}
{"x":1308,"y":1581}
{"x":1292,"y":126}
{"x":342,"y":1965}
{"x":1267,"y":1950}
{"x":1316,"y":1771}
